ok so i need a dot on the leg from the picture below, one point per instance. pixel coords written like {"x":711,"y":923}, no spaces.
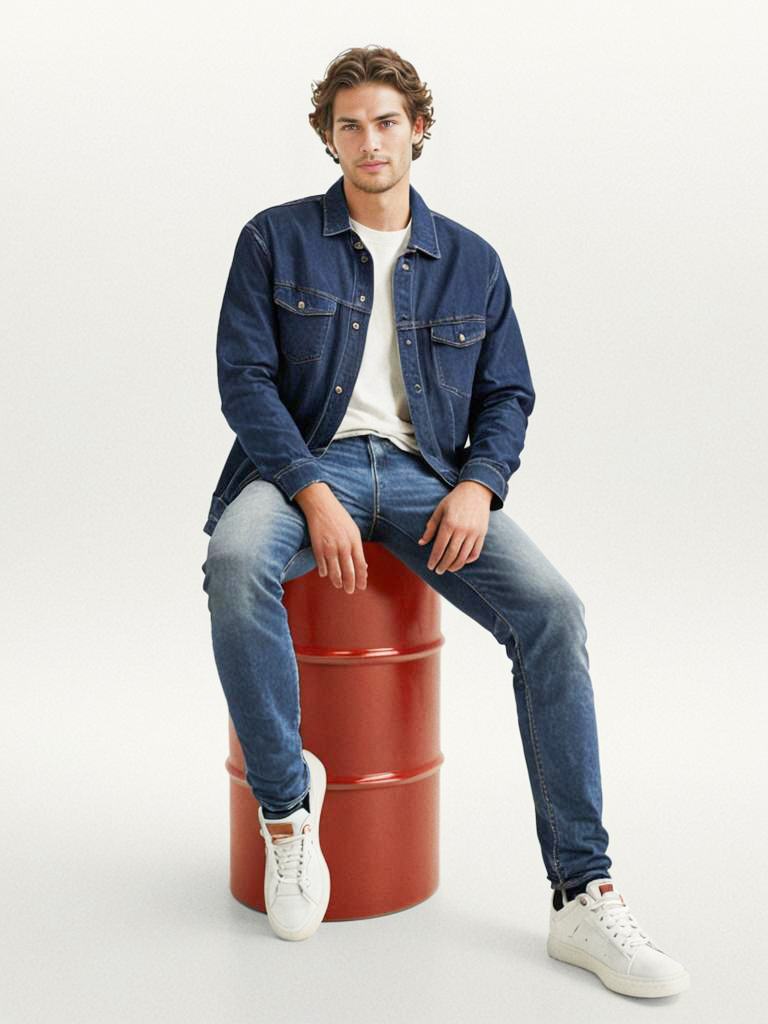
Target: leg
{"x":259,"y":536}
{"x":514,"y":592}
{"x":261,"y":541}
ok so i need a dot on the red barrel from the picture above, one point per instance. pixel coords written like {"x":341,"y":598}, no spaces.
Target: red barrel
{"x":370,"y":710}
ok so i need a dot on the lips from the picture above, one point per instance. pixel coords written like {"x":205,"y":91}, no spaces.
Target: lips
{"x":376,"y":163}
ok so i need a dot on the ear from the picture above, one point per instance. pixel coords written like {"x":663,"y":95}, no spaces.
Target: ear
{"x":418,"y":127}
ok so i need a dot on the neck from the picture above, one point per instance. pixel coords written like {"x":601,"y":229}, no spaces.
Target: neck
{"x":382,"y":211}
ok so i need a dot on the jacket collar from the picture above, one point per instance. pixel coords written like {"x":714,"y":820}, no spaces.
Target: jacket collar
{"x":423,"y":234}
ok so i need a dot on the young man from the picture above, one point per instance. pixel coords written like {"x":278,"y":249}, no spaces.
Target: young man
{"x":363,"y":340}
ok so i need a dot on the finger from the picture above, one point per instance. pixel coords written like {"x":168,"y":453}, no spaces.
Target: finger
{"x":451,"y":552}
{"x":477,"y":548}
{"x":348,"y":568}
{"x":334,"y":569}
{"x":463,"y":555}
{"x":432,"y":524}
{"x":441,"y":542}
{"x":428,"y":531}
{"x":361,"y":566}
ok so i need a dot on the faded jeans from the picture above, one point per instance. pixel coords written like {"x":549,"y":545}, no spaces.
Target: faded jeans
{"x":262,"y":540}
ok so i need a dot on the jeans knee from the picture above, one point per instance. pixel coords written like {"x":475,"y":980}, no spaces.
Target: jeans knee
{"x":569,"y":609}
{"x":572,"y":602}
{"x":559,"y":606}
{"x":233,"y":571}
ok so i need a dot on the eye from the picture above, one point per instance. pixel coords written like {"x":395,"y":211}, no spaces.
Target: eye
{"x":387,"y":121}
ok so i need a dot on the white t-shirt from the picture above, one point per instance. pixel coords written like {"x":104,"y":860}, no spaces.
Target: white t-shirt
{"x":378,"y":404}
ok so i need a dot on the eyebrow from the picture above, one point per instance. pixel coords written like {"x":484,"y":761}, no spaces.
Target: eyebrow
{"x":381,"y":117}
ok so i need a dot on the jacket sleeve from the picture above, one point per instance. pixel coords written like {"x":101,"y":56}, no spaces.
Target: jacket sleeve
{"x":502,"y":395}
{"x":247,"y":363}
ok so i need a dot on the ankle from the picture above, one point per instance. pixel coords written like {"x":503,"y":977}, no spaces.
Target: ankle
{"x":571,"y":892}
{"x":290,"y":810}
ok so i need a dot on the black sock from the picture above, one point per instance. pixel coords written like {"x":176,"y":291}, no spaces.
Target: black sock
{"x":571,"y":893}
{"x":284,"y":814}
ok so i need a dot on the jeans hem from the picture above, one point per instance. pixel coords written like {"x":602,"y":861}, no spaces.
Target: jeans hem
{"x":587,"y":876}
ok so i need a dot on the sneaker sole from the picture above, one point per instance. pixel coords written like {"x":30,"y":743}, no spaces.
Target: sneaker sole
{"x":316,"y":797}
{"x":621,"y":983}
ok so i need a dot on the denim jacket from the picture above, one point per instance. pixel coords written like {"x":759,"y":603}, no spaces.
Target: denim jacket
{"x":293,"y":322}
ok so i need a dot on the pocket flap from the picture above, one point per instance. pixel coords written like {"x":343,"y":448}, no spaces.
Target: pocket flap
{"x":461,"y":333}
{"x":304,"y":302}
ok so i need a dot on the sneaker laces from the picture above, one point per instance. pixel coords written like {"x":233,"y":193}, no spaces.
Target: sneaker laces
{"x":617,"y":919}
{"x":291,"y":860}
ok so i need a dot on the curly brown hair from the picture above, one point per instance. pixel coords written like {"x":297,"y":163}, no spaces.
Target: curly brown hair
{"x":359,"y":65}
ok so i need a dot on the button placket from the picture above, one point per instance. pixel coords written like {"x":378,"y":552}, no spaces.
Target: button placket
{"x":362,"y":297}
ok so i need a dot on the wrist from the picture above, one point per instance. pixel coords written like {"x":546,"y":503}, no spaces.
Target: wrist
{"x":481,"y":488}
{"x":312,"y":494}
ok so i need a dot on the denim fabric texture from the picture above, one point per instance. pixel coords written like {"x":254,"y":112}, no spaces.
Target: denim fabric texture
{"x":290,"y":340}
{"x":512,"y":590}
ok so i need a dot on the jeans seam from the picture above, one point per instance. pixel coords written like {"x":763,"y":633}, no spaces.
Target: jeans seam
{"x":292,"y":559}
{"x":376,"y":494}
{"x":528,"y":704}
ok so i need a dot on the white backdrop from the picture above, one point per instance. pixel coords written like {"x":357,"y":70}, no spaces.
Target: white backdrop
{"x":614,"y":154}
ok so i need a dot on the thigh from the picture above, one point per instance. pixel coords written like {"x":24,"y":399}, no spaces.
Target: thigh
{"x":262,"y":529}
{"x":509,"y":582}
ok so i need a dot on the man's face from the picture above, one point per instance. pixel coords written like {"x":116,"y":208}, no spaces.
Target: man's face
{"x":370,"y":126}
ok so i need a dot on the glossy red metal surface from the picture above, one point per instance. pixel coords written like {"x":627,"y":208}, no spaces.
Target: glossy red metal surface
{"x":369,"y":667}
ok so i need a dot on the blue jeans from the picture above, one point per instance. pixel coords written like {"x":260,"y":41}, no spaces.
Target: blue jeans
{"x":512,"y":590}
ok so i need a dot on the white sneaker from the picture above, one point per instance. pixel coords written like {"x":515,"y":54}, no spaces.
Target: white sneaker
{"x":297,"y":882}
{"x":595,"y":930}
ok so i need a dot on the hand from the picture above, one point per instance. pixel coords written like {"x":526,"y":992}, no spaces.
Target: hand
{"x":335,"y":536}
{"x":462,"y":516}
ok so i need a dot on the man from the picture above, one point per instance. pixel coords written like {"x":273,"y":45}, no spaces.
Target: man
{"x":363,"y":340}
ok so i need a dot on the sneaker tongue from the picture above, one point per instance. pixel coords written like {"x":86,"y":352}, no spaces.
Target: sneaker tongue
{"x":280,"y":828}
{"x":599,"y":887}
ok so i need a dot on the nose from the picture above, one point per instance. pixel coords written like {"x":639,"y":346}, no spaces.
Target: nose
{"x":369,"y":146}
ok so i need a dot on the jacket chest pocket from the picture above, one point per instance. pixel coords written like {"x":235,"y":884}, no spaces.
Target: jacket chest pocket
{"x":304,"y":320}
{"x":456,"y":349}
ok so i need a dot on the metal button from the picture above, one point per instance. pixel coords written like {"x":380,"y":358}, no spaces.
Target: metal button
{"x":338,"y":389}
{"x":364,"y":258}
{"x":417,"y":387}
{"x":407,"y":341}
{"x":356,"y":325}
{"x":461,"y":337}
{"x":358,"y":245}
{"x":301,"y":303}
{"x":362,"y":298}
{"x":406,"y":266}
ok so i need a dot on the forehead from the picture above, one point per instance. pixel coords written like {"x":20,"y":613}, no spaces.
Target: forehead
{"x":367,"y":101}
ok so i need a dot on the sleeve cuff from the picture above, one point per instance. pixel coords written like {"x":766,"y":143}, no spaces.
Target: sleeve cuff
{"x":484,"y":472}
{"x":298,"y":475}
